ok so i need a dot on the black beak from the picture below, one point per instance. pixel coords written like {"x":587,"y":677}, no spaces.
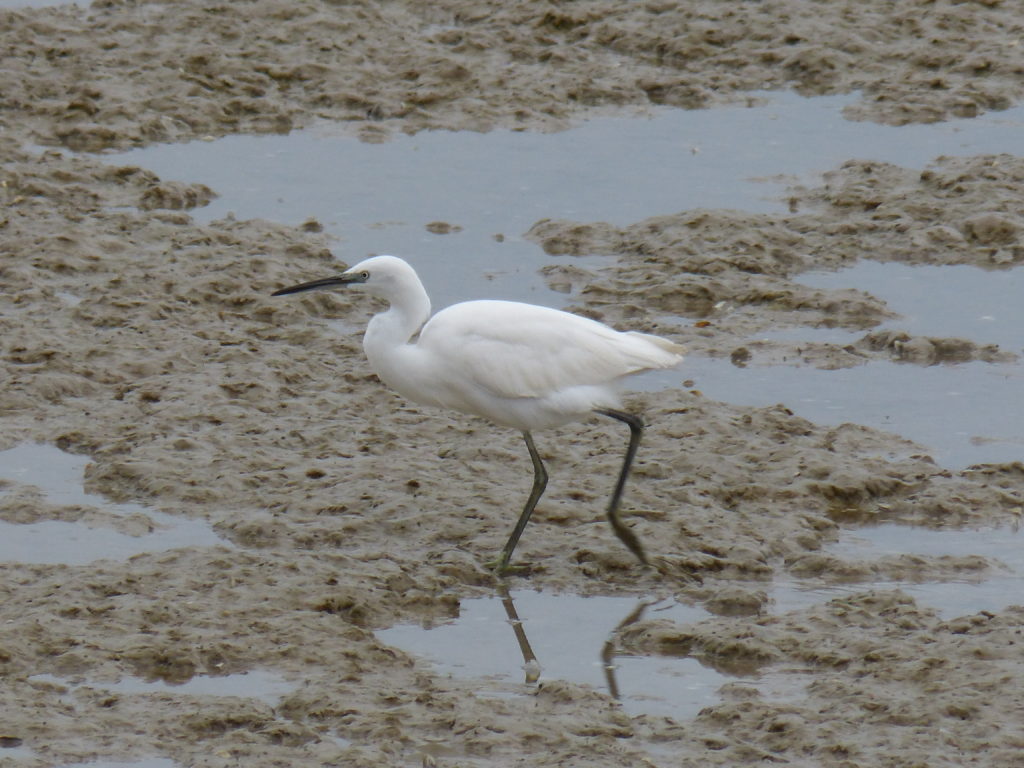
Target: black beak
{"x":324,"y":282}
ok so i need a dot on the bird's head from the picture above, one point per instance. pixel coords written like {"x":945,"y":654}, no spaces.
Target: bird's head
{"x":384,"y":276}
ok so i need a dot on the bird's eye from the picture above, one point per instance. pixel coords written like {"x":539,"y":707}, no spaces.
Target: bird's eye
{"x":364,"y":275}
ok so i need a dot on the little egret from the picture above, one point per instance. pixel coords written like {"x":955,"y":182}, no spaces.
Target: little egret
{"x":518,"y":365}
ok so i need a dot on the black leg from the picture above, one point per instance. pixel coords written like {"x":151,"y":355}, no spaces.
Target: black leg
{"x":540,"y":481}
{"x":624,"y":532}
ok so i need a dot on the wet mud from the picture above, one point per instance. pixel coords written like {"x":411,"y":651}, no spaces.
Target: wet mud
{"x":148,"y":342}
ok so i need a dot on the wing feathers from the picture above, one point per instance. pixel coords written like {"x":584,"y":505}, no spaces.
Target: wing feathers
{"x":518,"y":350}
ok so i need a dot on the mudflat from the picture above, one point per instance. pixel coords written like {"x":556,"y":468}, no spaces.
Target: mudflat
{"x":148,"y":342}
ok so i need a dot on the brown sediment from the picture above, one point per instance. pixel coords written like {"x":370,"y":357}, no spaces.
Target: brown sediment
{"x":346,"y":509}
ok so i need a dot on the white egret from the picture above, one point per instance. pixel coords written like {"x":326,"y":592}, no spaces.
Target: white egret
{"x":518,"y":365}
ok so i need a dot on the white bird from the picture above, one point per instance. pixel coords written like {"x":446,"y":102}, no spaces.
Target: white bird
{"x":518,"y":365}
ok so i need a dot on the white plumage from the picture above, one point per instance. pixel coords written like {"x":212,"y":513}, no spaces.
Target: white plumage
{"x":518,"y":365}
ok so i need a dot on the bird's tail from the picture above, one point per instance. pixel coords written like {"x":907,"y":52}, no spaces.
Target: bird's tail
{"x":669,"y":353}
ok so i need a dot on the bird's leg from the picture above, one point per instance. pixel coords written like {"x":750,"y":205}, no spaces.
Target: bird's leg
{"x":624,"y":532}
{"x":540,"y":481}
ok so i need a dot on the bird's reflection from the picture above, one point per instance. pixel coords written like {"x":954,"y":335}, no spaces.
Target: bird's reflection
{"x":608,"y":650}
{"x":531,"y":665}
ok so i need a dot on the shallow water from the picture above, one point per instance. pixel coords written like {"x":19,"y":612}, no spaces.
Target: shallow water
{"x":956,"y":301}
{"x":962,"y":414}
{"x":15,"y":753}
{"x":259,"y":684}
{"x":567,"y":637}
{"x":378,"y":198}
{"x":146,"y":762}
{"x":59,"y":475}
{"x":15,"y":4}
{"x":262,"y":685}
{"x":993,"y":591}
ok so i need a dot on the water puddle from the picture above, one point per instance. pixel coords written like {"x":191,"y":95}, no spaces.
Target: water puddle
{"x":489,"y":188}
{"x":59,"y":475}
{"x":11,"y":748}
{"x":380,"y":198}
{"x":991,"y":591}
{"x":20,"y":4}
{"x":511,"y":642}
{"x":68,"y":298}
{"x":146,"y":762}
{"x":956,"y":301}
{"x":341,"y":741}
{"x":963,"y":414}
{"x":262,"y":685}
{"x":258,"y":684}
{"x":486,"y":190}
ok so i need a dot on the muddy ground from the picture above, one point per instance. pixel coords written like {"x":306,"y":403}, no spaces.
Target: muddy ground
{"x":148,"y":342}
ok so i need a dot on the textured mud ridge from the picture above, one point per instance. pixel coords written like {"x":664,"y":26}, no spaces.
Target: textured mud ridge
{"x":122,"y":73}
{"x":149,"y":343}
{"x":733,"y":271}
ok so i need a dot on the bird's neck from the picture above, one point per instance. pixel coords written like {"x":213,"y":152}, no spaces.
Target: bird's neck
{"x":393,"y":329}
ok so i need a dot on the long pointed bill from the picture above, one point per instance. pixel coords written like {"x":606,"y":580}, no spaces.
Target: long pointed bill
{"x":324,"y":282}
